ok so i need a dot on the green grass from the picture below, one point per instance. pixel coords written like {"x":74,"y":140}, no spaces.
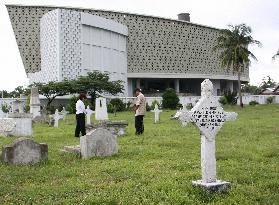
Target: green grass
{"x":156,"y":168}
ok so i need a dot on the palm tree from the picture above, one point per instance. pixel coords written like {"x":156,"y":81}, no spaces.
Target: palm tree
{"x":276,"y":55}
{"x":232,"y":46}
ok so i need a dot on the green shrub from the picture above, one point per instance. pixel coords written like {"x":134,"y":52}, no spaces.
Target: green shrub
{"x":154,"y":102}
{"x":270,"y":99}
{"x":5,"y":107}
{"x":129,"y":106}
{"x":147,"y":107}
{"x":118,"y":104}
{"x":231,"y":97}
{"x":223,"y":100}
{"x":71,"y":106}
{"x":111,"y":108}
{"x":170,"y":99}
{"x":253,"y":102}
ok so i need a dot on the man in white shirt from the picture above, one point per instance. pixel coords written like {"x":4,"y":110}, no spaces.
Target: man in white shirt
{"x":139,"y":109}
{"x":80,"y":116}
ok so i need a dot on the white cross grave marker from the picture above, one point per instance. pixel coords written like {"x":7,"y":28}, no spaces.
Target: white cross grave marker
{"x":64,"y":112}
{"x":156,"y":113}
{"x":89,"y":112}
{"x":209,"y":117}
{"x":57,"y":116}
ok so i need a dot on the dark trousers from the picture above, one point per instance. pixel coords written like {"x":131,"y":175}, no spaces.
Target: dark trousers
{"x":139,"y":124}
{"x":80,"y":118}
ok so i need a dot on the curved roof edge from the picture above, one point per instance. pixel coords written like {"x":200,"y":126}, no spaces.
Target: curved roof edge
{"x":120,"y":12}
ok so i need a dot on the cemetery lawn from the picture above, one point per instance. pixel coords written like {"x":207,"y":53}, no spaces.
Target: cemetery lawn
{"x":155,"y":168}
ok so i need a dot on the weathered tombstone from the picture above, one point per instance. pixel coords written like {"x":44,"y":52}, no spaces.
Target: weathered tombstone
{"x":7,"y":125}
{"x":18,"y":106}
{"x":64,"y":113}
{"x":209,"y":117}
{"x":101,"y":112}
{"x":177,"y":114}
{"x":156,"y":113}
{"x":57,"y":116}
{"x":35,"y":108}
{"x":89,"y":112}
{"x":24,"y":151}
{"x":98,"y":142}
{"x":23,"y":126}
{"x":184,"y":116}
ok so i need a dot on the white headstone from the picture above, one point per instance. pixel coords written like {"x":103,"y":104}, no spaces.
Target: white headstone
{"x":98,"y":142}
{"x":64,"y":113}
{"x":184,"y":116}
{"x":35,"y":108}
{"x":101,"y":112}
{"x":156,"y":113}
{"x":209,"y":117}
{"x":89,"y":112}
{"x":57,"y":116}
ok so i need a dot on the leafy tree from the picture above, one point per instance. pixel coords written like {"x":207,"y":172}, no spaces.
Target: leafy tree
{"x":20,"y":90}
{"x":170,"y":99}
{"x":53,"y":89}
{"x":96,"y":83}
{"x":276,"y":55}
{"x":247,"y":88}
{"x":5,"y":94}
{"x":233,"y":47}
{"x":267,"y":82}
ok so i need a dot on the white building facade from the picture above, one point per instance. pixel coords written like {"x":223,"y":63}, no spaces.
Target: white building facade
{"x":75,"y":43}
{"x":148,"y":52}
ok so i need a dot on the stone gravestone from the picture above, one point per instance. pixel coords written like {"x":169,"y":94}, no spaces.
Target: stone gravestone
{"x":156,"y":113}
{"x":89,"y":112}
{"x":18,"y":106}
{"x":24,"y":151}
{"x":209,"y":117}
{"x":184,"y":116}
{"x":7,"y":125}
{"x":35,"y":108}
{"x":64,"y":113}
{"x":101,"y":112}
{"x":23,"y":126}
{"x":99,"y":142}
{"x":57,"y":116}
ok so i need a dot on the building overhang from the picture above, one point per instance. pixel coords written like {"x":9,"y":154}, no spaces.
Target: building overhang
{"x":186,"y":76}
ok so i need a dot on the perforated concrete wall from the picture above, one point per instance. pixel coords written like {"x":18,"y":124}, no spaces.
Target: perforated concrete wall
{"x":155,"y":45}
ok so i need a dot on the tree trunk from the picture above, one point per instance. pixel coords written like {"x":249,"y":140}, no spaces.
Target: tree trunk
{"x":93,"y":99}
{"x":239,"y":90}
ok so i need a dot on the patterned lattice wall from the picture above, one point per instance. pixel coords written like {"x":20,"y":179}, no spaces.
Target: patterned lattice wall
{"x":70,"y":35}
{"x":155,"y":45}
{"x":50,"y":48}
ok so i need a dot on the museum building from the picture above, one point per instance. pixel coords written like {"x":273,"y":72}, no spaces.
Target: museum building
{"x":149,"y":52}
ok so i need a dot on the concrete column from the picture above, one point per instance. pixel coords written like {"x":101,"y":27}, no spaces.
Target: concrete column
{"x":138,"y":83}
{"x":176,"y":85}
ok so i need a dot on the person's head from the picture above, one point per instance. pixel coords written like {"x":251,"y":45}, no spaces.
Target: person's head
{"x":82,"y":96}
{"x":137,"y":91}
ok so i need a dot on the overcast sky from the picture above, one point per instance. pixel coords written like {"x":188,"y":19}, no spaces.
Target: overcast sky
{"x":261,"y":15}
